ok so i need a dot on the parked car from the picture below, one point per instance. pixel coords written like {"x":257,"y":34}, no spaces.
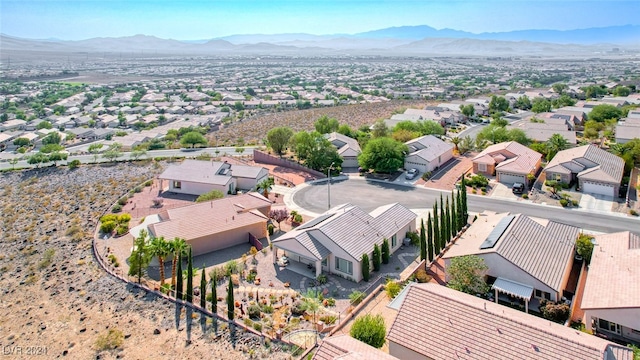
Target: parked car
{"x":411,"y":174}
{"x":517,"y":188}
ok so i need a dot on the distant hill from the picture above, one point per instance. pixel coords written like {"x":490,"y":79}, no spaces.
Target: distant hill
{"x":394,"y":41}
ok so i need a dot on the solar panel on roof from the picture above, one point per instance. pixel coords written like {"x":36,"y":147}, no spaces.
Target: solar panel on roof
{"x":315,"y":221}
{"x":497,"y":231}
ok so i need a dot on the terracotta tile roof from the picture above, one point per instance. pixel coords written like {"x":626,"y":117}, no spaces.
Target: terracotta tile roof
{"x":194,"y":221}
{"x":345,"y":347}
{"x":596,"y":164}
{"x":614,"y":272}
{"x":520,"y":159}
{"x":455,"y":325}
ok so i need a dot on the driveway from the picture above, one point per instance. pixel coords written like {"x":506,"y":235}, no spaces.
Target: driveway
{"x":446,"y":178}
{"x":599,"y":203}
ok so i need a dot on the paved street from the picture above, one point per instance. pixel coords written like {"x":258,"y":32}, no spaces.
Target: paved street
{"x":369,"y":195}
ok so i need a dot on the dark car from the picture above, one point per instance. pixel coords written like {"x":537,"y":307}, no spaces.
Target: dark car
{"x":517,"y":188}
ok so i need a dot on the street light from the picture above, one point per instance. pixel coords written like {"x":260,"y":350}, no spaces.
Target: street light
{"x":329,"y":186}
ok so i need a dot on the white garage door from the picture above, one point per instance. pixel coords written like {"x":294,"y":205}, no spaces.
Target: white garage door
{"x":420,"y":166}
{"x":601,"y":189}
{"x":511,"y":178}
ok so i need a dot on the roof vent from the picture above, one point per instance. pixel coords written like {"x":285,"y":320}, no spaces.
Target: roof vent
{"x":535,"y":348}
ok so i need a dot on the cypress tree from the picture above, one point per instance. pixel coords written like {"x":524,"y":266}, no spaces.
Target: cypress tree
{"x":459,"y":210}
{"x":465,"y":210}
{"x":230,"y":301}
{"x":423,"y":242}
{"x":365,"y":267}
{"x":377,"y":259}
{"x":447,"y":222}
{"x":190,"y":278}
{"x":203,"y":290}
{"x":179,"y":278}
{"x":430,"y":238}
{"x":436,"y":231}
{"x":214,"y":296}
{"x":442,"y":226}
{"x":454,"y":216}
{"x":385,"y":251}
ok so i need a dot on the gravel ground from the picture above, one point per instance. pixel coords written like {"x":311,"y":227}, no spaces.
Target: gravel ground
{"x":55,"y":300}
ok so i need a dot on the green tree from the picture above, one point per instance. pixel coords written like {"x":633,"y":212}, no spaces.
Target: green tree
{"x":523,"y":103}
{"x":377,"y":257}
{"x":37,"y":159}
{"x":160,"y":248}
{"x":600,"y":113}
{"x":214,"y":297}
{"x":178,"y":248}
{"x":379,"y":129}
{"x":404,"y":135}
{"x":325,"y":124}
{"x":140,"y":256}
{"x":52,"y":138}
{"x":95,"y":149}
{"x":365,"y":267}
{"x":230,"y":302}
{"x":430,"y":247}
{"x":278,"y":138}
{"x":555,"y":144}
{"x":621,"y":91}
{"x":563,"y":101}
{"x":138,"y":153}
{"x":584,"y":247}
{"x":498,"y":104}
{"x":238,"y":105}
{"x":442,"y":225}
{"x":193,"y":138}
{"x":21,"y":141}
{"x":190,"y":277}
{"x":265,"y":186}
{"x":44,"y":125}
{"x":383,"y":155}
{"x":385,"y":251}
{"x":113,"y":152}
{"x":423,"y":241}
{"x":179,"y":279}
{"x":454,"y":215}
{"x":211,"y":195}
{"x":540,"y":105}
{"x":58,"y":156}
{"x":467,"y":110}
{"x":559,"y":88}
{"x":370,"y":329}
{"x":466,"y":274}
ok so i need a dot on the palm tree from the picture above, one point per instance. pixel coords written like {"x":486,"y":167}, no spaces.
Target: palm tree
{"x":178,"y":247}
{"x":161,"y":249}
{"x":265,"y":186}
{"x":555,"y":144}
{"x":455,"y":141}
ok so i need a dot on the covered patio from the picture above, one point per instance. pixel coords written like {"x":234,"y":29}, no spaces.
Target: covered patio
{"x":513,"y":289}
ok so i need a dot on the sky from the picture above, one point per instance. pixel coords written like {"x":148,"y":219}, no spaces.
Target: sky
{"x":207,"y":19}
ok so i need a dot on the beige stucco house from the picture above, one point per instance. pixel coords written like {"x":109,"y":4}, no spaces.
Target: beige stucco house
{"x":510,"y":162}
{"x":427,"y":153}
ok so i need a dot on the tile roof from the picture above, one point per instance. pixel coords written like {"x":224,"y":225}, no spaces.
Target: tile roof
{"x":344,"y":143}
{"x":520,"y":159}
{"x":428,"y":147}
{"x":614,"y":272}
{"x":609,"y":167}
{"x":209,"y":172}
{"x":202,"y":219}
{"x":540,"y":247}
{"x":246,"y":171}
{"x":455,"y":325}
{"x":345,"y":347}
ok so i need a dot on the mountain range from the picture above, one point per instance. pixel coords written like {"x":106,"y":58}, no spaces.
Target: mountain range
{"x":397,"y":41}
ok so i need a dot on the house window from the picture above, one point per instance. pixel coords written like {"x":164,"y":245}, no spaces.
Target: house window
{"x":394,"y":241}
{"x":557,"y":177}
{"x":482,"y":167}
{"x":344,"y":266}
{"x":542,"y":295}
{"x":325,"y":261}
{"x":608,"y":326}
{"x":177,"y":185}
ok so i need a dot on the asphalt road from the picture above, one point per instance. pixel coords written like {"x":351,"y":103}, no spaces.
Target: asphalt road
{"x":369,"y":195}
{"x":87,"y":159}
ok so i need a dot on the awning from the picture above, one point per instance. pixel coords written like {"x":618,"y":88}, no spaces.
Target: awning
{"x":513,"y":288}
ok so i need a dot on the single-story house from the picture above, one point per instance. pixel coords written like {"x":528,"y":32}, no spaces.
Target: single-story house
{"x":348,"y":149}
{"x":511,"y":162}
{"x":597,"y":171}
{"x":628,"y":129}
{"x":217,"y":224}
{"x":427,"y":153}
{"x":438,"y":323}
{"x":345,"y":347}
{"x":196,"y":177}
{"x":335,"y":241}
{"x":611,"y":298}
{"x":532,"y":255}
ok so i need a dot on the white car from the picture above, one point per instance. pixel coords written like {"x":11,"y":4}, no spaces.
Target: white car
{"x":411,"y":174}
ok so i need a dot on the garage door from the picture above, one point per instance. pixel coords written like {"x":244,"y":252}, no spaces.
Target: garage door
{"x":510,"y":178}
{"x":600,"y":189}
{"x":410,"y":165}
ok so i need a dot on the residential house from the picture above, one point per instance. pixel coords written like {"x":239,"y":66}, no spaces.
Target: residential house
{"x":628,"y":128}
{"x":528,"y":258}
{"x":15,"y":124}
{"x":438,"y":323}
{"x":196,"y":177}
{"x":511,"y":162}
{"x":335,"y":241}
{"x":427,"y":153}
{"x":611,"y":298}
{"x":345,"y":347}
{"x":597,"y":171}
{"x":348,"y":149}
{"x":215,"y":225}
